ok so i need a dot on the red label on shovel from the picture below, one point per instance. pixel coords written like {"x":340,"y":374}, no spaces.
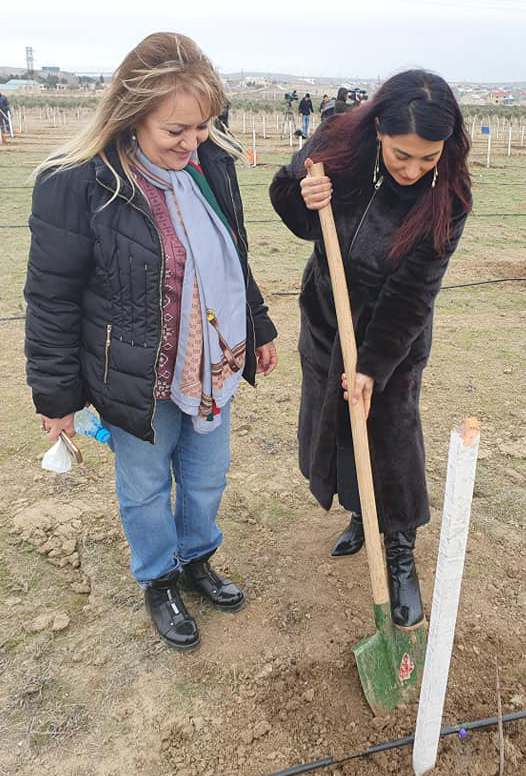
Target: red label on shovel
{"x":406,"y":668}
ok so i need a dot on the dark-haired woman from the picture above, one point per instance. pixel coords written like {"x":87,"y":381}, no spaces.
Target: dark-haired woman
{"x":399,"y":186}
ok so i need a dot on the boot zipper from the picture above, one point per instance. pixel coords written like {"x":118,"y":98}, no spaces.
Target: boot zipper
{"x":161,"y":279}
{"x":107,"y":351}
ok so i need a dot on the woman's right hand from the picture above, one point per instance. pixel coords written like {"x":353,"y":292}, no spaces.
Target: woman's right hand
{"x":363,"y":389}
{"x":316,"y":192}
{"x":54,"y":426}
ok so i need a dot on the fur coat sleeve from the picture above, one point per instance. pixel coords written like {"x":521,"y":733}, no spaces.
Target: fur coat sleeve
{"x":404,"y":307}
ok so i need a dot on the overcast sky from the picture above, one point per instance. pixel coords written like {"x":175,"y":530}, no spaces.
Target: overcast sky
{"x":477,"y":40}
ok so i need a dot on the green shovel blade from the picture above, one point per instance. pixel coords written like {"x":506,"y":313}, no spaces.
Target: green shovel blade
{"x":390,"y":663}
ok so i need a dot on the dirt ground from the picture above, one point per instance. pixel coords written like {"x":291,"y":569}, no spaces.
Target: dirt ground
{"x":88,"y":690}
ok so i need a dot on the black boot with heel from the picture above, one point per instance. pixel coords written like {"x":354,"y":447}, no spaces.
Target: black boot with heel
{"x":169,"y":615}
{"x":198,"y":577}
{"x":406,"y":602}
{"x":351,"y":540}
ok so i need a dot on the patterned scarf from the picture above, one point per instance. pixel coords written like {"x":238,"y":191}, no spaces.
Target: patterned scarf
{"x":212,"y":332}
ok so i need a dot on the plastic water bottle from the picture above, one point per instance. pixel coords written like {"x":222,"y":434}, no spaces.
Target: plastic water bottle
{"x":85,"y":422}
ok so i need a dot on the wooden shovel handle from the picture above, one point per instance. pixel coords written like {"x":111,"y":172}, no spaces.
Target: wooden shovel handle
{"x":356,"y":411}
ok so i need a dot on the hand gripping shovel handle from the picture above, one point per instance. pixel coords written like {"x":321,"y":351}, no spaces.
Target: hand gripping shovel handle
{"x":356,"y":411}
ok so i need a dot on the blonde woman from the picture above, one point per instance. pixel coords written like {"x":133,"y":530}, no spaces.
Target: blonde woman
{"x":140,"y":301}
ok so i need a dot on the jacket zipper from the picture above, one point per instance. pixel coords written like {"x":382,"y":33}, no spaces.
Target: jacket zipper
{"x":235,"y":215}
{"x":161,"y":277}
{"x":251,"y":319}
{"x":107,"y":352}
{"x":362,"y":219}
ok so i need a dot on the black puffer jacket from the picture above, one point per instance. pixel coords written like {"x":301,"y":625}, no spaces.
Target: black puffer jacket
{"x":94,"y":286}
{"x":392,"y":311}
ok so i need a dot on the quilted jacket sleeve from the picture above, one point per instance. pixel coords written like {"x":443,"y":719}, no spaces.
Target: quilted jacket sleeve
{"x":60,"y":261}
{"x":264,"y":329}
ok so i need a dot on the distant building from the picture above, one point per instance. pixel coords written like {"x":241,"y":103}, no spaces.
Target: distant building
{"x":21,"y":85}
{"x":497,"y":97}
{"x":53,"y":70}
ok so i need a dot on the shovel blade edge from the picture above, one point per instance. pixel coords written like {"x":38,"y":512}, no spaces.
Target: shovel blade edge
{"x":390,"y":662}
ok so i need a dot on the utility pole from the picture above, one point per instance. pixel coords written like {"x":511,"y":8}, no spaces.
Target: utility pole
{"x":30,"y":62}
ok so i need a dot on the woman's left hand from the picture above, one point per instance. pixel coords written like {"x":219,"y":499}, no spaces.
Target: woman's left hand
{"x":267,"y":359}
{"x":363,"y":388}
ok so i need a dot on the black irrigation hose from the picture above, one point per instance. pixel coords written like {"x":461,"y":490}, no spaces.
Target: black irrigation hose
{"x":399,"y":742}
{"x":483,"y":283}
{"x":295,"y":293}
{"x":444,"y":288}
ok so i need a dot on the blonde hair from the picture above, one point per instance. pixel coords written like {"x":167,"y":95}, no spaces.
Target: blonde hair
{"x":163,"y":63}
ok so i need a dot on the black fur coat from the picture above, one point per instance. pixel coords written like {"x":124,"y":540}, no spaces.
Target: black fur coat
{"x":392,"y":311}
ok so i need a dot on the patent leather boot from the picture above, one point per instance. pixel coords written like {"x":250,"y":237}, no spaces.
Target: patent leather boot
{"x":222,"y":594}
{"x":351,"y":540}
{"x":169,"y":614}
{"x":406,"y":602}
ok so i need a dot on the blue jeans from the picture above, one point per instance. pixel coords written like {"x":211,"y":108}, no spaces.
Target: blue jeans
{"x":161,"y":539}
{"x":305,"y":123}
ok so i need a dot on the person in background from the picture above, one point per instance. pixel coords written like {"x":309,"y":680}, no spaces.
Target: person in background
{"x":223,"y":116}
{"x":305,"y":109}
{"x":397,"y":178}
{"x":4,"y":113}
{"x":140,"y":301}
{"x":323,"y":103}
{"x":341,"y":105}
{"x":337,"y":104}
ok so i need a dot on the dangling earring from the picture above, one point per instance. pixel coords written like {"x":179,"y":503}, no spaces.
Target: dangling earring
{"x":435,"y":176}
{"x":377,"y":162}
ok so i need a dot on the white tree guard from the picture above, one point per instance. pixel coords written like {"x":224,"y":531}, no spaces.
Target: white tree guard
{"x":462,"y":463}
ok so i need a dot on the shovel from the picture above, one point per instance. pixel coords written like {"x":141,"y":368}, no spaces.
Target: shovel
{"x":390,"y":662}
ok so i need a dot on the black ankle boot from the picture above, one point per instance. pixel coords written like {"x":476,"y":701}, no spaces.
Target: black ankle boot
{"x":351,"y":540}
{"x":406,"y":602}
{"x":198,"y":577}
{"x":169,"y":615}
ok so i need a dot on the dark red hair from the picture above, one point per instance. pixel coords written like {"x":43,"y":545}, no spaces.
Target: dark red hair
{"x":413,"y":101}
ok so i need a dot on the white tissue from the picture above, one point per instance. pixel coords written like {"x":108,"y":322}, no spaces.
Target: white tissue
{"x":57,"y":459}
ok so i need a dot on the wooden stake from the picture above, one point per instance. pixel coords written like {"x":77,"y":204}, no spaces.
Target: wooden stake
{"x":509,"y":140}
{"x":462,"y":462}
{"x":488,"y":158}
